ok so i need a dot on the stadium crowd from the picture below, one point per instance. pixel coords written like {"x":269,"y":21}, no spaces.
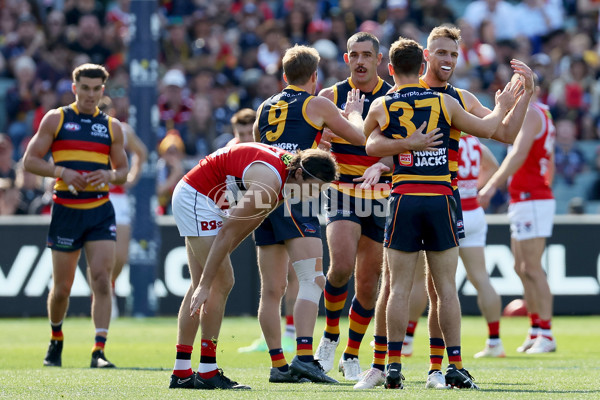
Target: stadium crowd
{"x":217,"y":57}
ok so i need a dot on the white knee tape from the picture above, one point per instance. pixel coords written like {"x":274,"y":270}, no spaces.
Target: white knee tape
{"x":307,"y":273}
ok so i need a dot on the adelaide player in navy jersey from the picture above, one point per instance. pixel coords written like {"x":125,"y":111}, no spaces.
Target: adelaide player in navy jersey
{"x":87,"y":155}
{"x":422,"y":197}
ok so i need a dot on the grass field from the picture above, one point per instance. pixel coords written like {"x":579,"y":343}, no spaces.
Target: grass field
{"x":144,"y":351}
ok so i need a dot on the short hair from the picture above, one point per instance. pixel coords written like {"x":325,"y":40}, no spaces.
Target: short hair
{"x":299,"y":63}
{"x":315,"y":163}
{"x":444,"y":31}
{"x":245,"y":116}
{"x":363,"y":37}
{"x":406,"y":56}
{"x":90,"y":71}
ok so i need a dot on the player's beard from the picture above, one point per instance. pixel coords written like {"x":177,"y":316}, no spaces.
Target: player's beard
{"x":441,"y":74}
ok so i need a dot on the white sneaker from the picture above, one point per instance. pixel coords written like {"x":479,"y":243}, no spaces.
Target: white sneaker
{"x":407,"y":349}
{"x":325,"y":353}
{"x":542,"y":345}
{"x":436,"y":380}
{"x":370,"y":379}
{"x":350,"y":368}
{"x":496,"y":351}
{"x":526,"y":344}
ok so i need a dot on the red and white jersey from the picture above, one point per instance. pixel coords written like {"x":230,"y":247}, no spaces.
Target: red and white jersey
{"x":220,"y":174}
{"x":532,"y":180}
{"x":469,"y":166}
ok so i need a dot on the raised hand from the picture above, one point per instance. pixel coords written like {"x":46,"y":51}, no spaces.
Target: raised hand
{"x":354,"y":102}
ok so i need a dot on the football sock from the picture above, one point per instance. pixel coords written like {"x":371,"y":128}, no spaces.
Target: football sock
{"x":535,"y":325}
{"x":278,"y":360}
{"x":304,"y":348}
{"x":394,"y":352}
{"x":335,"y":298}
{"x":379,"y":352}
{"x":410,"y":331}
{"x":454,"y":356}
{"x":436,"y":354}
{"x":57,"y":333}
{"x":208,"y":359}
{"x":494,"y":333}
{"x":100,"y":340}
{"x":290,"y":329}
{"x":545,"y":328}
{"x":183,"y":361}
{"x":359,"y":319}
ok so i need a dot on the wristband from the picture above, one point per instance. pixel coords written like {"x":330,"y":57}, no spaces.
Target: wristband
{"x":62,"y":170}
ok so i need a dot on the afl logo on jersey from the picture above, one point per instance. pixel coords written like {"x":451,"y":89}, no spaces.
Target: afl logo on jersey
{"x":99,"y":130}
{"x":72,"y":126}
{"x":405,"y":159}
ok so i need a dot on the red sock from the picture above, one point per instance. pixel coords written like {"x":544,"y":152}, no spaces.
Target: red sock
{"x":494,"y":329}
{"x":289,"y":320}
{"x":410,"y":329}
{"x":183,"y":361}
{"x":208,"y":359}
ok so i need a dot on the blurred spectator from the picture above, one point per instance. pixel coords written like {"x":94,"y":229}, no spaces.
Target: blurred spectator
{"x":20,"y":103}
{"x":594,"y":193}
{"x":7,"y":164}
{"x":576,"y":206}
{"x":201,"y":128}
{"x":169,"y":169}
{"x":48,"y":100}
{"x":536,"y":18}
{"x":55,"y":64}
{"x":430,"y":13}
{"x":89,"y":39}
{"x":501,"y":14}
{"x":55,"y":28}
{"x":223,"y":104}
{"x":27,"y":41}
{"x":75,"y":10}
{"x":296,"y":24}
{"x":174,"y":105}
{"x":9,"y":197}
{"x":175,"y":47}
{"x":569,"y":159}
{"x":271,"y":50}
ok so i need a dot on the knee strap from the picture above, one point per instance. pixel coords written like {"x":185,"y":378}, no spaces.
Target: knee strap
{"x":307,"y":273}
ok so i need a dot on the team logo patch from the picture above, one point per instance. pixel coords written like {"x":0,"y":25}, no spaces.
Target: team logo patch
{"x":459,"y":224}
{"x":99,"y":130}
{"x":72,"y":126}
{"x":406,"y":159}
{"x":309,"y":228}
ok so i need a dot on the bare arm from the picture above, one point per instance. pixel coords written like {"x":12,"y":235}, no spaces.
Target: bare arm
{"x":255,"y":128}
{"x":139,"y":156}
{"x":323,"y":111}
{"x":486,"y":126}
{"x":489,"y":166}
{"x":243,"y":218}
{"x":514,"y":159}
{"x":511,"y":124}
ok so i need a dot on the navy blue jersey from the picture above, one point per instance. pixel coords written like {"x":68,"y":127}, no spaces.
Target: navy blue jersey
{"x":283,"y":123}
{"x":353,"y":160}
{"x":418,"y":172}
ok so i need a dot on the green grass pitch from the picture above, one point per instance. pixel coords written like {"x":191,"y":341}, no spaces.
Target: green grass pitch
{"x":144,"y":351}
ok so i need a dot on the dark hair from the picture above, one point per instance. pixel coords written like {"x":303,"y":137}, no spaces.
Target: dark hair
{"x":299,"y":63}
{"x":406,"y":56}
{"x":245,"y":116}
{"x":105,"y":104}
{"x":363,"y":37}
{"x":315,"y":163}
{"x":90,"y":71}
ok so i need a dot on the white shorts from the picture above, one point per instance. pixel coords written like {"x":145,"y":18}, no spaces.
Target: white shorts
{"x":120,"y":202}
{"x":531,"y":219}
{"x":195,"y":214}
{"x":475,"y":228}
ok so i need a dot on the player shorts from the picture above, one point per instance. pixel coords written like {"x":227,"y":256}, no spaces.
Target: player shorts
{"x":370,"y":214}
{"x":120,"y":202}
{"x":288,"y":221}
{"x":421,"y":223}
{"x":475,"y":228}
{"x":460,"y":220}
{"x":70,"y":227}
{"x":194,"y":213}
{"x":531,"y":219}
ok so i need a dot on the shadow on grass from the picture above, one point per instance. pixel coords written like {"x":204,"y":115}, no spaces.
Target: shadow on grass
{"x":540,"y":391}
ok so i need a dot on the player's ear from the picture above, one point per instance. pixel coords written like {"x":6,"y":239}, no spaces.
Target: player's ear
{"x":390,"y":69}
{"x":422,"y":69}
{"x":285,"y":78}
{"x":346,"y":58}
{"x":426,"y":54}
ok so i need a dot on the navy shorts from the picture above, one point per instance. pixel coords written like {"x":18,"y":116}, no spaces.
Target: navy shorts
{"x":288,"y":221}
{"x":370,"y":214}
{"x":421,"y":223}
{"x":460,"y":225}
{"x":70,"y":228}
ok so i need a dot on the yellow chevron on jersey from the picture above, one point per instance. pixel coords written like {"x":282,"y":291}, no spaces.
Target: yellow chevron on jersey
{"x":379,"y":191}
